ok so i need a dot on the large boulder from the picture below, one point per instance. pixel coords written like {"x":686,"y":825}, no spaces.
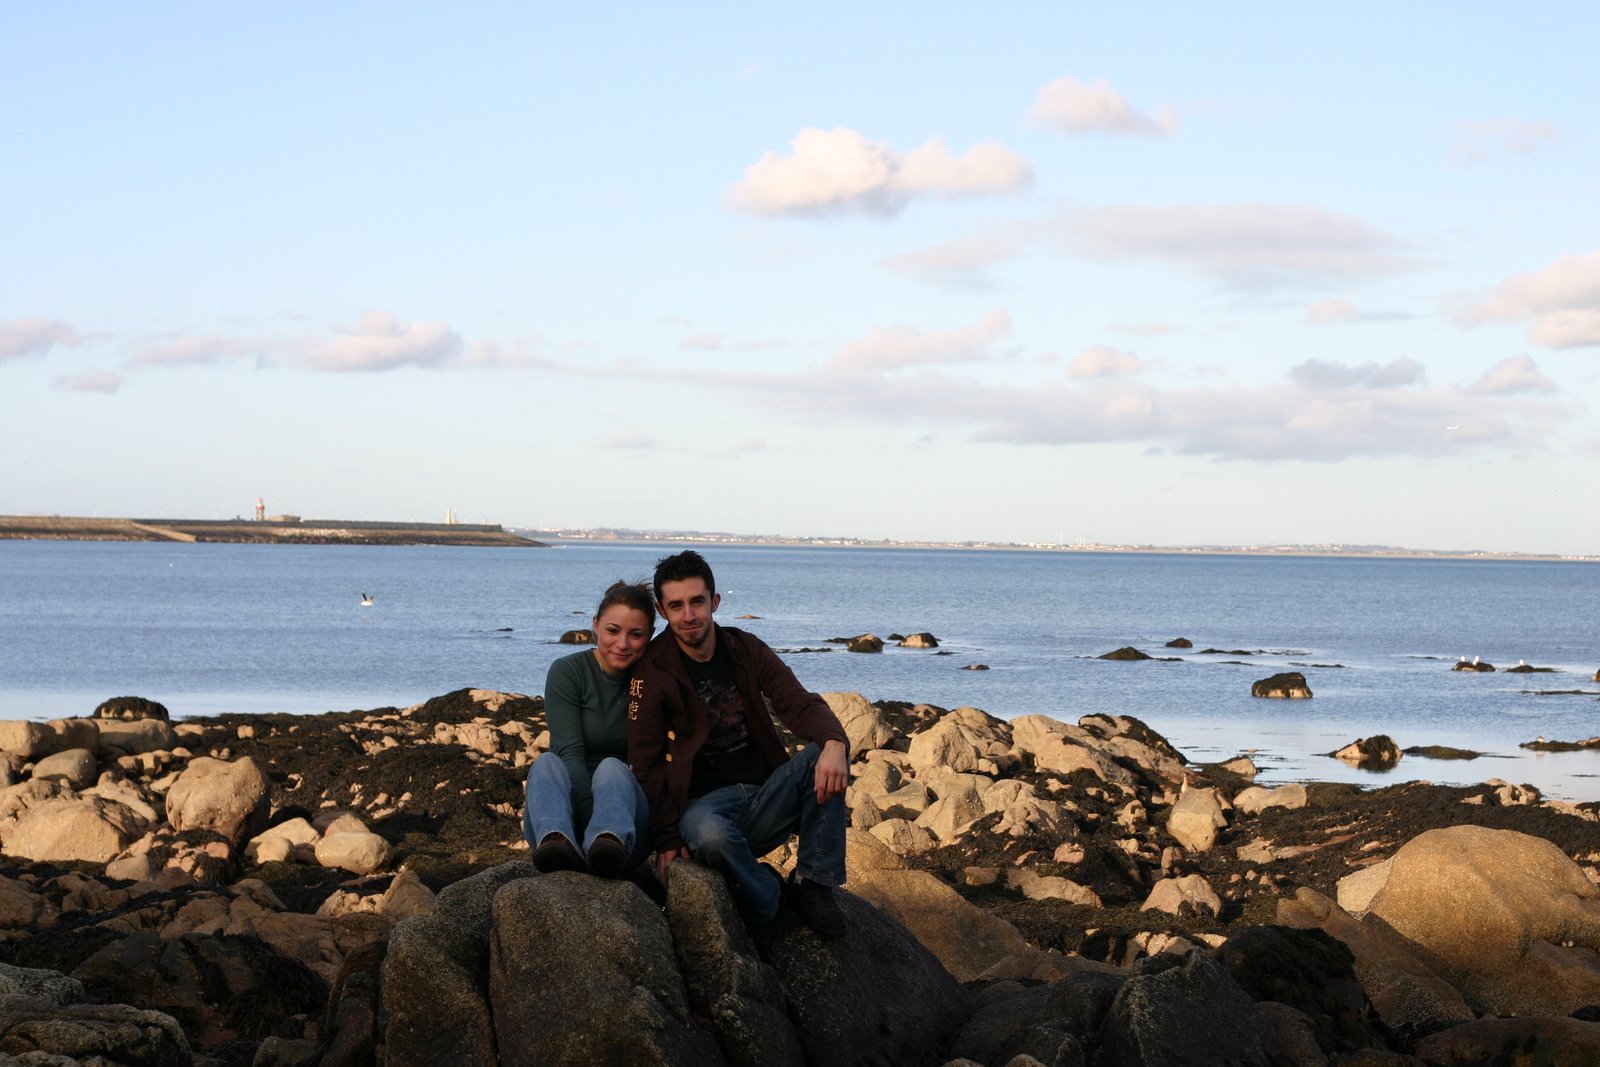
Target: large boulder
{"x":435,"y":996}
{"x":864,"y":643}
{"x":357,"y":851}
{"x":1514,"y":923}
{"x":130,"y":708}
{"x":1256,"y":799}
{"x":230,"y":799}
{"x":564,"y":944}
{"x":873,"y":998}
{"x":1126,"y":652}
{"x":1188,"y":1011}
{"x":91,"y":1033}
{"x":120,"y":737}
{"x":64,"y":830}
{"x":919,"y":640}
{"x":1063,"y":748}
{"x":863,"y":724}
{"x":73,"y":766}
{"x":964,"y":740}
{"x":1052,"y":1024}
{"x":1513,"y":1041}
{"x":728,"y":982}
{"x":29,"y":740}
{"x":1378,"y":752}
{"x":1309,"y":970}
{"x":1400,"y":979}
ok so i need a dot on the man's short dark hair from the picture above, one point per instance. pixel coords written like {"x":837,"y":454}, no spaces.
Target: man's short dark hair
{"x":684,"y":565}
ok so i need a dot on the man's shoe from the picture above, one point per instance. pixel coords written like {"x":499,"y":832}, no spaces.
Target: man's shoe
{"x":607,"y":857}
{"x":556,"y":853}
{"x":817,"y":907}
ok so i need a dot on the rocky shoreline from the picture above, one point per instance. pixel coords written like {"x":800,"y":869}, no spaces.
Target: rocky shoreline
{"x":352,"y":888}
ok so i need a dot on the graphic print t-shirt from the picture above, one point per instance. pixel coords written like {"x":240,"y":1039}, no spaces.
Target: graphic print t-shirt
{"x":727,"y":757}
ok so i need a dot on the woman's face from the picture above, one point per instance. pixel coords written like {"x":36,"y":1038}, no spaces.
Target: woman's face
{"x":620,"y":634}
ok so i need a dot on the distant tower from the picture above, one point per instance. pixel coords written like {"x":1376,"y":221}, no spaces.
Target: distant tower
{"x":450,"y":516}
{"x":261,"y":510}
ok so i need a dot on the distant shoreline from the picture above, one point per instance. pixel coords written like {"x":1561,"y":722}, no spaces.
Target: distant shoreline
{"x":284,"y":530}
{"x":559,"y":537}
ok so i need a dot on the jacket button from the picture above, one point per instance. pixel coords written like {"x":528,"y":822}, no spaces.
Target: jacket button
{"x":672,"y":735}
{"x":669,"y":757}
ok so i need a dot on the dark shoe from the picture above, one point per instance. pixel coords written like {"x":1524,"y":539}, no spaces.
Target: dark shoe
{"x":817,"y":907}
{"x":556,"y":853}
{"x":607,"y":857}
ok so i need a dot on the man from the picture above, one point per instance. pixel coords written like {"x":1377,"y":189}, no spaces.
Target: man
{"x":722,"y":787}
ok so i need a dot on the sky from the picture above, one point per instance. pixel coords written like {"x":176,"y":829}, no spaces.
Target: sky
{"x":1194,"y":274}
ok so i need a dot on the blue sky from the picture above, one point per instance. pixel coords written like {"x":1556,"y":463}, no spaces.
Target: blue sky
{"x":1235,"y":276}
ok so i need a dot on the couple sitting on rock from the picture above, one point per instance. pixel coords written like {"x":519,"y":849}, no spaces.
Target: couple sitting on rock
{"x":710,"y":779}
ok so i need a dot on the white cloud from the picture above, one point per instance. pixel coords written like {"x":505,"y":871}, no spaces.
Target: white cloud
{"x":1075,"y":107}
{"x":1330,"y":310}
{"x":1518,"y":374}
{"x":705,"y":342}
{"x":381,"y":342}
{"x":202,"y":350}
{"x":629,"y":439}
{"x":1479,"y":140}
{"x":34,"y":335}
{"x":1242,"y":245}
{"x":834,"y":171}
{"x":961,"y":262}
{"x":1145,"y":329}
{"x":899,"y":346}
{"x":1563,"y":300}
{"x":1103,"y":361}
{"x":94,"y":381}
{"x":1324,"y":374}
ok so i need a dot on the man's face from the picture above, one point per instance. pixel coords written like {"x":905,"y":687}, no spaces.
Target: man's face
{"x":688,"y":605}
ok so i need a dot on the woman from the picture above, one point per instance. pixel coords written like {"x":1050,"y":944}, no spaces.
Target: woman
{"x":582,"y":789}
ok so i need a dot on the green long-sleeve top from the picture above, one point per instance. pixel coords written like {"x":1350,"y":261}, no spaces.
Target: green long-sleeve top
{"x":587,"y":712}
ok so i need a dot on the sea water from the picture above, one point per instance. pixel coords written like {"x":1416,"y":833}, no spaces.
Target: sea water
{"x":207,"y":628}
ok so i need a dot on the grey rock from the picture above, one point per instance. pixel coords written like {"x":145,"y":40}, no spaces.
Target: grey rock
{"x":74,"y":766}
{"x":436,"y":994}
{"x":131,"y":708}
{"x":727,"y":981}
{"x":96,"y":1033}
{"x":563,"y":944}
{"x":1187,"y":1011}
{"x":40,"y":984}
{"x":873,"y":997}
{"x":1289,"y":685}
{"x":1051,"y":1023}
{"x":469,"y":902}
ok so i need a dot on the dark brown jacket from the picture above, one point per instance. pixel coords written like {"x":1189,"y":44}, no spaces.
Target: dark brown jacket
{"x":667,"y":722}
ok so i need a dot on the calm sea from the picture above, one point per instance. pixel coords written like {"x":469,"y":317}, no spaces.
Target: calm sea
{"x":208,"y":628}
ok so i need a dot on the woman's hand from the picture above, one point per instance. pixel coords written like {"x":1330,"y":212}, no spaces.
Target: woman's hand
{"x":833,"y":771}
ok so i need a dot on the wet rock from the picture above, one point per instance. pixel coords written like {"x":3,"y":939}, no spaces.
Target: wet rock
{"x":864,"y":643}
{"x":1475,"y":665}
{"x":1180,"y":642}
{"x":1049,"y":1024}
{"x":37,"y":983}
{"x":1126,"y":652}
{"x":1514,"y":923}
{"x":576,"y":637}
{"x":1256,"y":799}
{"x":1308,"y":970}
{"x":976,"y":667}
{"x":1289,"y":685}
{"x":1243,"y":766}
{"x":1370,"y":753}
{"x":919,"y":640}
{"x":130,"y":708}
{"x":436,"y":995}
{"x":1530,"y":1040}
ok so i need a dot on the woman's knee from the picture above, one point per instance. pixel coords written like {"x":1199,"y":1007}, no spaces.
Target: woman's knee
{"x":612,"y":773}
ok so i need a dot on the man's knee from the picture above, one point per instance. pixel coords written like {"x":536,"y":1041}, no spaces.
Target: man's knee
{"x":708,"y":836}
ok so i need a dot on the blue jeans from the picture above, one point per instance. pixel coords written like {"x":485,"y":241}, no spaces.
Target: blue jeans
{"x":728,"y":828}
{"x":620,"y":808}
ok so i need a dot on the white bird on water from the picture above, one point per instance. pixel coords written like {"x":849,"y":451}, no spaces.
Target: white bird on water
{"x":1475,"y":660}
{"x":366,"y":601}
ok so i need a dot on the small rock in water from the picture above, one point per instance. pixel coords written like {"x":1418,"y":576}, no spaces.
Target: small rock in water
{"x":976,"y":667}
{"x":577,"y":637}
{"x":1373,"y":753}
{"x":864,"y":643}
{"x":919,"y":640}
{"x":1126,"y":652}
{"x":131,"y":708}
{"x":1290,"y":685}
{"x":1180,"y":642}
{"x":1474,"y":664}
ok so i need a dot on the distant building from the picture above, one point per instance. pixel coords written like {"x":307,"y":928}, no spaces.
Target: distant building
{"x":285,"y":518}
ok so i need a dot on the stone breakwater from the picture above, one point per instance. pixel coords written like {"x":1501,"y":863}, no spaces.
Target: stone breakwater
{"x":352,"y":889}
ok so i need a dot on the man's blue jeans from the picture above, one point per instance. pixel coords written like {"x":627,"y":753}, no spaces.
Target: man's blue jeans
{"x":728,"y":828}
{"x":620,"y":807}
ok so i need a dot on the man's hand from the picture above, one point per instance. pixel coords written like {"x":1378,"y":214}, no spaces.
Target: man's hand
{"x":664,"y":860}
{"x":833,"y":771}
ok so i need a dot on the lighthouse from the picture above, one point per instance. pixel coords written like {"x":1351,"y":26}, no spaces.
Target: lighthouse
{"x":261,"y":510}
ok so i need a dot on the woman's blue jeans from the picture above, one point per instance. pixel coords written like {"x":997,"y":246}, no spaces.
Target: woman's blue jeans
{"x":620,"y":808}
{"x":728,"y":828}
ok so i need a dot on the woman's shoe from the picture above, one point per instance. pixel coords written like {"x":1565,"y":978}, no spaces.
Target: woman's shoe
{"x":556,"y":853}
{"x":607,"y":857}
